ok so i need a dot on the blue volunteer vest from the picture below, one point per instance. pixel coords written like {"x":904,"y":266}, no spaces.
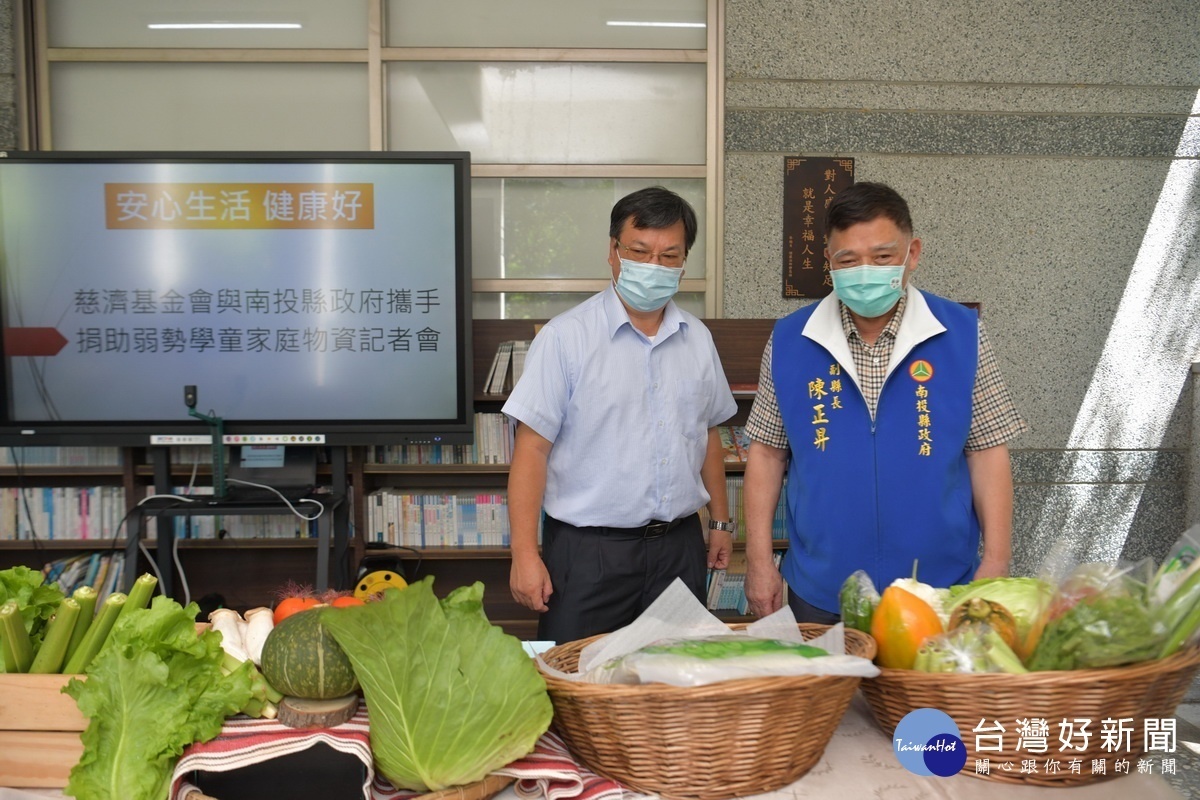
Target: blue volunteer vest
{"x":877,"y":495}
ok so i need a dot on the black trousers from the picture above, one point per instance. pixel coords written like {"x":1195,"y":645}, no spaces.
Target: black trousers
{"x":806,"y":612}
{"x":603,"y":578}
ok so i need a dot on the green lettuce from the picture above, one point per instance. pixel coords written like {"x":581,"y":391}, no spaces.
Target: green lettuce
{"x":36,"y":601}
{"x":451,"y":696}
{"x":156,"y":687}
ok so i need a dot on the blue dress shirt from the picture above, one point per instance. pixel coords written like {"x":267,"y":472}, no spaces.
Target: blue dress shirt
{"x":628,"y":417}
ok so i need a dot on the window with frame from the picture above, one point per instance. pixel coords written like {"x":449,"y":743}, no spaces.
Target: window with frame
{"x":564,"y":107}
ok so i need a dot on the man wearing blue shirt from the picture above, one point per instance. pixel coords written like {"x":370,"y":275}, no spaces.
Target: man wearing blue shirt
{"x":617,"y":411}
{"x":885,"y":409}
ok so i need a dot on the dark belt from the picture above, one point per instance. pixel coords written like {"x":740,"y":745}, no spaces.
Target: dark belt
{"x":651,"y":530}
{"x":654,"y":528}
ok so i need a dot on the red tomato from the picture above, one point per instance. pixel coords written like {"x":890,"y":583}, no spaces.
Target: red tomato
{"x":346,"y":600}
{"x":292,"y":605}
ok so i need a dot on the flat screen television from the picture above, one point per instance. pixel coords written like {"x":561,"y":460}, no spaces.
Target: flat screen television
{"x":324,"y":296}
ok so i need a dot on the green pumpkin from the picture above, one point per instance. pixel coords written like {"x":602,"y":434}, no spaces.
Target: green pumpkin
{"x":301,"y":659}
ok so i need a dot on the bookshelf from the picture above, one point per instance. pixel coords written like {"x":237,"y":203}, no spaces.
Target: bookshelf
{"x":246,"y":571}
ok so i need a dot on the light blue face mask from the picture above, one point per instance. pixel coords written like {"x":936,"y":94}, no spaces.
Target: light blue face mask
{"x":867,"y":290}
{"x":647,"y":287}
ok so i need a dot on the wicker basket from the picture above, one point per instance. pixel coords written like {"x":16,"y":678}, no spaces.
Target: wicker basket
{"x":705,"y":742}
{"x":1150,"y":690}
{"x":479,"y":790}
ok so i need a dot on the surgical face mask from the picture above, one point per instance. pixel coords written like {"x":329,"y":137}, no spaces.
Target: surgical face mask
{"x":647,"y":287}
{"x":868,"y":290}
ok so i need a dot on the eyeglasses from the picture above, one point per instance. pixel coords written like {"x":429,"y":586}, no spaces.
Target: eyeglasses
{"x":642,"y":256}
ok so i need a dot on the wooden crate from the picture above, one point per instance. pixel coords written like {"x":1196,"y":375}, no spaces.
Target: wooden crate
{"x":39,"y":731}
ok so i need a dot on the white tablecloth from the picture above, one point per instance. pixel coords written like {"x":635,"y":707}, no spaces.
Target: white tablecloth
{"x":859,"y":763}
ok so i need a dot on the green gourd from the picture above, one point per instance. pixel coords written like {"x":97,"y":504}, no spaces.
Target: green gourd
{"x":301,"y":659}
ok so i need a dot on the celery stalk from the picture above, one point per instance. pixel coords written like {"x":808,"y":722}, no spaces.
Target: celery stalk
{"x":1183,"y":630}
{"x":140,"y":593}
{"x":85,"y":596}
{"x":52,"y":653}
{"x":96,"y":635}
{"x":16,"y":638}
{"x":10,"y":661}
{"x":1000,"y":655}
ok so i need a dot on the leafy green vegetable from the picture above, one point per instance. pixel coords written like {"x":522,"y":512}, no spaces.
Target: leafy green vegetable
{"x":36,"y":601}
{"x":156,"y":687}
{"x":1101,"y":630}
{"x":451,"y":696}
{"x":1024,"y":598}
{"x":857,"y":600}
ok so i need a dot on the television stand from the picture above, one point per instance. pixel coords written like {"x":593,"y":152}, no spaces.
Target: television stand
{"x":333,"y":526}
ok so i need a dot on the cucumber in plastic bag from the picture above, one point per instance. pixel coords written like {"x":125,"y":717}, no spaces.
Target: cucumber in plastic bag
{"x":858,"y":599}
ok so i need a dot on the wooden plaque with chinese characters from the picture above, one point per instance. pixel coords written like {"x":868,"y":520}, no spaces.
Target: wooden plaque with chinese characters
{"x":809,"y":184}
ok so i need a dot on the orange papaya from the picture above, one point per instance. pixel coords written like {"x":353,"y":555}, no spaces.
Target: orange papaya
{"x":901,"y":623}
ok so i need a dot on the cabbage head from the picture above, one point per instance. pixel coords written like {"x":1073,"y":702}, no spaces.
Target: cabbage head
{"x":451,"y":697}
{"x":1025,"y":598}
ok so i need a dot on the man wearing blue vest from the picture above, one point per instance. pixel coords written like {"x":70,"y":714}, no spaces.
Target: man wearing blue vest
{"x":885,"y":408}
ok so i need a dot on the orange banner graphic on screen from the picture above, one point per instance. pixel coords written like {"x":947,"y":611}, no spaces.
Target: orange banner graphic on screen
{"x":239,"y":206}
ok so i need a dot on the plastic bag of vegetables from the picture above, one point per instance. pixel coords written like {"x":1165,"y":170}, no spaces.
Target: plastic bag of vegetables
{"x":1176,"y":592}
{"x":1100,"y":616}
{"x":858,"y":599}
{"x":970,"y":647}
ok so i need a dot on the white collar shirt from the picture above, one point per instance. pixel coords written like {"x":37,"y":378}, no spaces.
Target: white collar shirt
{"x":628,"y":417}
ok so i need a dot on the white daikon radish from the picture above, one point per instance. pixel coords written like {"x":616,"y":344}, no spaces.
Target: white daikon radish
{"x":225,"y":620}
{"x":259,"y":622}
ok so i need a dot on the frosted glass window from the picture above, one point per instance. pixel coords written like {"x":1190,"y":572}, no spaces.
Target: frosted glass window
{"x":209,"y":106}
{"x":558,"y":227}
{"x":127,"y":23}
{"x":550,"y":113}
{"x":518,"y":305}
{"x":655,"y":24}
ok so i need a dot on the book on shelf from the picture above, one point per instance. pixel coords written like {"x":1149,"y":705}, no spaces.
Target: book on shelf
{"x":499,"y":370}
{"x":734,"y":442}
{"x":731,"y":452}
{"x":93,"y":569}
{"x":103,"y":571}
{"x":727,"y":587}
{"x":62,"y":512}
{"x":60,"y":457}
{"x":492,"y":444}
{"x":507,"y":366}
{"x":741,"y":441}
{"x":520,"y":350}
{"x":458,"y":519}
{"x":736,"y":495}
{"x":232,"y":526}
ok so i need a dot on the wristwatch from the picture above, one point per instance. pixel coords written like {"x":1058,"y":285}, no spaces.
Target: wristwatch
{"x":716,"y":525}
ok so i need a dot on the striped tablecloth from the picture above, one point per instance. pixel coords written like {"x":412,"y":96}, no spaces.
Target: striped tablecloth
{"x":549,"y":772}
